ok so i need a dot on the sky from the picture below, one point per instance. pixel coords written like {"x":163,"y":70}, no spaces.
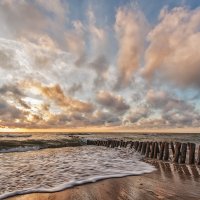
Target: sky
{"x":99,"y":63}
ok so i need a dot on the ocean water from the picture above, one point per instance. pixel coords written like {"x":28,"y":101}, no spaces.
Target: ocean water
{"x":55,"y":169}
{"x":26,"y":169}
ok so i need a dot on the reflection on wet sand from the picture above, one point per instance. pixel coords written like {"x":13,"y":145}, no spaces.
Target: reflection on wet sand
{"x":170,"y":181}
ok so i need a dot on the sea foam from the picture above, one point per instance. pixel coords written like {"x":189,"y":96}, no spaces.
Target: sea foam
{"x":52,"y":170}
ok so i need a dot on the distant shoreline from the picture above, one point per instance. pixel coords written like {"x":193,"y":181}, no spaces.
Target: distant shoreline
{"x":102,"y":132}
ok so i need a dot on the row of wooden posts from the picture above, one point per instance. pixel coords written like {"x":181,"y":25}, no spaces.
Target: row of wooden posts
{"x":157,"y":150}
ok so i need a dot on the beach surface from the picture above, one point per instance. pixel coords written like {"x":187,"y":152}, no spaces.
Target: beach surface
{"x":169,"y":181}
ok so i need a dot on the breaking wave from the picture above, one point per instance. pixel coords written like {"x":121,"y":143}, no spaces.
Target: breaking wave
{"x":52,"y":170}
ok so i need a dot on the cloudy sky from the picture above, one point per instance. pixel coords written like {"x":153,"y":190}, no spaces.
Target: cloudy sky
{"x":85,"y":63}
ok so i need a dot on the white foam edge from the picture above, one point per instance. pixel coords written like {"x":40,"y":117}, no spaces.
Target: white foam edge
{"x":73,"y":183}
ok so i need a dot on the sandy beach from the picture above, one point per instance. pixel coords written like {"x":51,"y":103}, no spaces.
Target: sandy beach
{"x":169,"y":181}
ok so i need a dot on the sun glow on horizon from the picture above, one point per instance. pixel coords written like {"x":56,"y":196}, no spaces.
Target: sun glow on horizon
{"x":99,"y":130}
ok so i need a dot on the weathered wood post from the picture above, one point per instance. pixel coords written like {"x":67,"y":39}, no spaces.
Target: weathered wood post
{"x":144,"y":145}
{"x":160,"y":143}
{"x":115,"y":143}
{"x":118,"y":143}
{"x":125,"y":144}
{"x":140,"y":146}
{"x":122,"y":144}
{"x":156,"y":150}
{"x":108,"y":143}
{"x":147,"y":150}
{"x":192,"y":147}
{"x":105,"y":143}
{"x":177,"y":151}
{"x":172,"y":148}
{"x":166,"y":151}
{"x":198,"y":158}
{"x":183,"y":153}
{"x":152,"y":149}
{"x":132,"y":145}
{"x":136,"y":145}
{"x":162,"y":146}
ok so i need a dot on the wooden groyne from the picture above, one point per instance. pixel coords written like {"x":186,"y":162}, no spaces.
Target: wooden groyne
{"x":180,"y":153}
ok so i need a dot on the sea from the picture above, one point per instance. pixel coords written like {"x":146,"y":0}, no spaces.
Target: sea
{"x":44,"y":162}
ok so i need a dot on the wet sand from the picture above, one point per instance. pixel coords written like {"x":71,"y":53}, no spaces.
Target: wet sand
{"x":179,"y":182}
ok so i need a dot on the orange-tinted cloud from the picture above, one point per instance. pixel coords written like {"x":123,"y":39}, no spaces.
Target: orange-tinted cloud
{"x":130,"y":27}
{"x":174,"y":51}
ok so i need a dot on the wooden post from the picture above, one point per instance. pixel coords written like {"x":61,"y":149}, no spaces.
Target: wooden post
{"x":125,"y":144}
{"x":183,"y":153}
{"x":144,"y":145}
{"x":140,"y":146}
{"x":147,"y":150}
{"x":162,"y":146}
{"x":156,"y":150}
{"x":177,"y":151}
{"x":166,"y":151}
{"x":198,"y":158}
{"x":132,"y":144}
{"x":192,"y":147}
{"x":172,"y":148}
{"x":136,"y":145}
{"x":118,"y":143}
{"x":152,"y":149}
{"x":113,"y":143}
